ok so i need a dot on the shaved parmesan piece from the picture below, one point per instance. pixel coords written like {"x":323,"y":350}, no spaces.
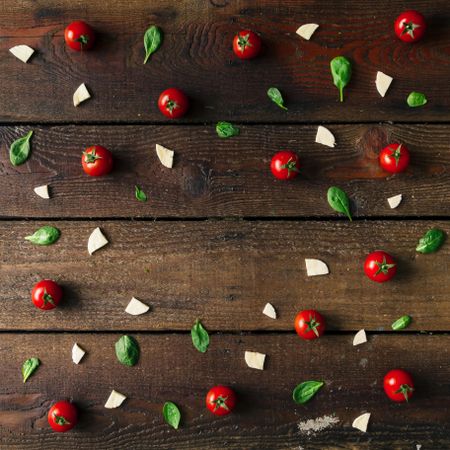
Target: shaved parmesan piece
{"x":22,"y":52}
{"x":42,"y":191}
{"x":115,"y":399}
{"x":395,"y":201}
{"x":96,"y":241}
{"x":80,"y":95}
{"x":136,"y":307}
{"x":325,"y":137}
{"x":360,"y":338}
{"x":316,"y":267}
{"x":361,"y":422}
{"x":165,"y":156}
{"x":307,"y":30}
{"x":255,"y":360}
{"x":382,"y":83}
{"x":77,"y":353}
{"x":269,"y":311}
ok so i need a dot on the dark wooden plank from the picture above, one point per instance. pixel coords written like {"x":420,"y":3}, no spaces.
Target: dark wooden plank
{"x":216,"y":177}
{"x":196,"y":56}
{"x":223,"y":272}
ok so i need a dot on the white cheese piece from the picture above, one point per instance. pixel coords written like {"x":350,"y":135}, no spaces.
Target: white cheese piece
{"x":115,"y":399}
{"x":307,"y":30}
{"x":42,"y":191}
{"x":395,"y":201}
{"x":325,"y":137}
{"x":22,"y":52}
{"x":360,"y":337}
{"x":165,"y":156}
{"x":96,"y":241}
{"x":80,"y":95}
{"x":316,"y":267}
{"x":269,"y":311}
{"x":77,"y":353}
{"x":255,"y":360}
{"x":382,"y":83}
{"x":136,"y":307}
{"x":361,"y":422}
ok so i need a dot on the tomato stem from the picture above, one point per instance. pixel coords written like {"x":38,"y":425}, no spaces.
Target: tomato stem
{"x":383,"y":267}
{"x":405,"y":389}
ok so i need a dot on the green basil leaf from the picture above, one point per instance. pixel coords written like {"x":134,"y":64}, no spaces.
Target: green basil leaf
{"x":172,"y":414}
{"x":127,"y":351}
{"x":303,"y":392}
{"x":140,"y":194}
{"x":29,"y":367}
{"x":401,"y":323}
{"x":200,"y":337}
{"x":416,"y":99}
{"x":152,"y":41}
{"x":275,"y":95}
{"x":431,"y":241}
{"x":339,"y":201}
{"x":44,"y":236}
{"x":20,"y":150}
{"x":226,"y":130}
{"x":341,"y":71}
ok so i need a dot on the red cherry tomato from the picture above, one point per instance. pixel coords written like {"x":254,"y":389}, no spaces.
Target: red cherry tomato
{"x":97,"y":161}
{"x":309,"y":324}
{"x":410,"y":26}
{"x":173,"y":103}
{"x":380,"y":266}
{"x":398,"y":385}
{"x":62,"y":416}
{"x":285,"y":165}
{"x":79,"y":35}
{"x":46,"y":294}
{"x":221,"y":400}
{"x":394,"y":158}
{"x":246,"y":44}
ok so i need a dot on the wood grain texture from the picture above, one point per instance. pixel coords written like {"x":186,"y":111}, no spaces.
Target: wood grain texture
{"x":196,"y":56}
{"x":216,"y":177}
{"x":223,"y":272}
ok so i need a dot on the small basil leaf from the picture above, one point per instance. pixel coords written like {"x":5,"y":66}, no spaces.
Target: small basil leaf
{"x":226,"y":130}
{"x":140,"y":194}
{"x":44,"y":236}
{"x":29,"y":367}
{"x":172,"y":414}
{"x":127,"y":351}
{"x":401,"y":323}
{"x":416,"y":99}
{"x":200,"y":337}
{"x":152,"y":41}
{"x":431,"y":241}
{"x":303,"y":392}
{"x":275,"y":95}
{"x":339,"y":201}
{"x":341,"y":71}
{"x":19,"y":151}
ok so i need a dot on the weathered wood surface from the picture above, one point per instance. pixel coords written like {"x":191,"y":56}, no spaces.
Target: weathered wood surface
{"x":196,"y":56}
{"x":223,"y":272}
{"x":217,"y":177}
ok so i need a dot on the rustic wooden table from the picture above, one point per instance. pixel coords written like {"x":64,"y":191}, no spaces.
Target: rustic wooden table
{"x":219,"y":236}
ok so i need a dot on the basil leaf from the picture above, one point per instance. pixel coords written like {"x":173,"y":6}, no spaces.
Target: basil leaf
{"x":127,"y":351}
{"x":431,"y":241}
{"x":341,"y":71}
{"x":226,"y":130}
{"x":29,"y":367}
{"x":339,"y":201}
{"x":20,"y":150}
{"x":152,"y":41}
{"x":140,"y":194}
{"x":275,"y":95}
{"x":200,"y":337}
{"x":303,"y":392}
{"x":416,"y":99}
{"x":44,"y":236}
{"x":172,"y":414}
{"x":401,"y":323}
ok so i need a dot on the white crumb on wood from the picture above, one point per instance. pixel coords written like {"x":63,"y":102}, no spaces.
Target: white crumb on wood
{"x":312,"y":426}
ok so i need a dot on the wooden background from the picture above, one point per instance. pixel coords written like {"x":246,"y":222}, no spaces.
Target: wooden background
{"x":219,"y":236}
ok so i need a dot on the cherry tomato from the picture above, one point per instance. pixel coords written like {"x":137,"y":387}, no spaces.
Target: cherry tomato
{"x":221,"y":400}
{"x":97,"y":161}
{"x":380,"y":266}
{"x":46,"y":294}
{"x":79,"y":35}
{"x":246,"y":44}
{"x":410,"y":26}
{"x":173,"y":103}
{"x":62,"y":416}
{"x":398,"y":385}
{"x":285,"y":165}
{"x":394,"y":158}
{"x":309,"y":324}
